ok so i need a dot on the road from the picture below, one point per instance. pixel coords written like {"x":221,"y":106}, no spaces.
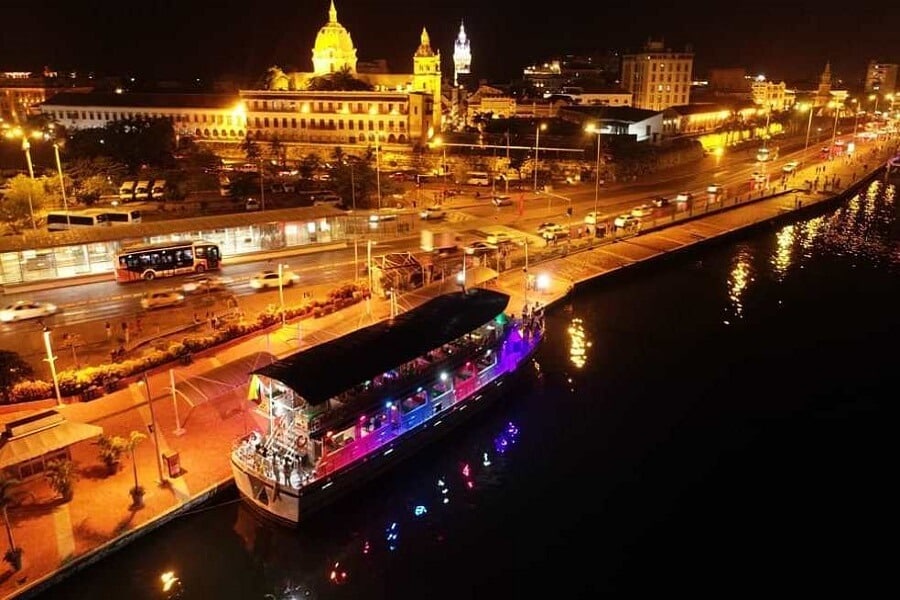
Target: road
{"x":85,"y":309}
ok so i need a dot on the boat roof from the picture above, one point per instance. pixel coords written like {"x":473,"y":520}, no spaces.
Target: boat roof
{"x":325,"y":370}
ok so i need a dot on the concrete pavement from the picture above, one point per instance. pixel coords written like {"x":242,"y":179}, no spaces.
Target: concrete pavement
{"x":209,"y":407}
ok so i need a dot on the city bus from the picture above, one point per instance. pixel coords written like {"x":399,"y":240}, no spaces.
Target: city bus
{"x":122,"y":216}
{"x":149,"y":261}
{"x":61,"y":220}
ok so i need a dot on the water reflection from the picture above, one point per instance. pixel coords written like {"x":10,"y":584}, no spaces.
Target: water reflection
{"x":578,"y":343}
{"x":738,"y":280}
{"x":308,"y":563}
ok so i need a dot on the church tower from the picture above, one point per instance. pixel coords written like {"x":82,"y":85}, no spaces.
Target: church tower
{"x":823,"y":96}
{"x":334,"y":48}
{"x":462,"y":55}
{"x":427,"y":75}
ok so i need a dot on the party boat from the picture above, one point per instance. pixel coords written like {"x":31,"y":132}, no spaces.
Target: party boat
{"x":337,"y":414}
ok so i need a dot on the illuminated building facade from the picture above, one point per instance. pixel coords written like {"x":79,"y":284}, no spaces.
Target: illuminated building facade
{"x":462,"y":55}
{"x":658,"y":77}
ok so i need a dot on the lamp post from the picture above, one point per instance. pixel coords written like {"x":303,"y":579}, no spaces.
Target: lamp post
{"x":369,"y":244}
{"x":808,"y":125}
{"x":281,"y":290}
{"x":26,"y":148}
{"x":62,"y":185}
{"x":595,"y":129}
{"x":374,"y":112}
{"x":855,"y":116}
{"x":837,"y":112}
{"x":537,"y":145}
{"x":51,"y":359}
{"x":875,"y":98}
{"x":154,"y":431}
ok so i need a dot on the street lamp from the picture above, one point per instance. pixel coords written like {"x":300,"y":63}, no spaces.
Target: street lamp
{"x":26,"y":148}
{"x":875,"y":98}
{"x":281,"y":267}
{"x":837,"y":112}
{"x":62,"y":185}
{"x":374,"y":111}
{"x":596,"y":129}
{"x":52,"y":360}
{"x":537,"y":145}
{"x":808,"y":107}
{"x":855,"y":115}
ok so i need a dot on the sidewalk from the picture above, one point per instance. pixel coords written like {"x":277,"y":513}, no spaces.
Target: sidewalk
{"x":211,"y":408}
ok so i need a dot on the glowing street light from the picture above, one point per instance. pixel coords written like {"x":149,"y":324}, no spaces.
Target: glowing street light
{"x":26,"y":148}
{"x":51,"y":359}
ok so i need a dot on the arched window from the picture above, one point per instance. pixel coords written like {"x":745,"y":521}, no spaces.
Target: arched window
{"x":392,"y":139}
{"x":401,"y":139}
{"x":206,"y":133}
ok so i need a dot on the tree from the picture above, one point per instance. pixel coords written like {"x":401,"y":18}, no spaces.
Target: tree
{"x":13,"y":369}
{"x":61,"y":475}
{"x":342,"y":80}
{"x":111,"y":450}
{"x":309,"y":164}
{"x":8,"y":486}
{"x":278,"y":151}
{"x":137,"y":492}
{"x":133,"y":142}
{"x":250,"y":149}
{"x":24,"y":197}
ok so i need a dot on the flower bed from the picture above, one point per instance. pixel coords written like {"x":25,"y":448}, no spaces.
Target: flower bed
{"x":87,"y":381}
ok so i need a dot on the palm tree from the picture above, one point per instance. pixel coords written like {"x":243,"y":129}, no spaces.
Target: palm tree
{"x":137,"y":492}
{"x":7,"y":486}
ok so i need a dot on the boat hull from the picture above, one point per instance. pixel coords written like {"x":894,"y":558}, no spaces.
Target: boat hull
{"x":290,"y":506}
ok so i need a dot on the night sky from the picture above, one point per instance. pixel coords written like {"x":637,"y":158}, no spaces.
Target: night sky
{"x":209,"y":38}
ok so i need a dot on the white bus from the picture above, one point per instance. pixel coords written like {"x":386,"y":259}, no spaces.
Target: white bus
{"x":61,"y":220}
{"x":478,"y":178}
{"x":122,"y":216}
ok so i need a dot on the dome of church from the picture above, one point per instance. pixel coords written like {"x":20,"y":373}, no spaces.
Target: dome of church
{"x":334,"y":48}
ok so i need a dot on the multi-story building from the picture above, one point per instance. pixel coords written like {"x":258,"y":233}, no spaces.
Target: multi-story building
{"x":21,"y":93}
{"x":770,"y":95}
{"x":881,"y":78}
{"x":462,"y":56}
{"x":205,"y":117}
{"x":658,"y":77}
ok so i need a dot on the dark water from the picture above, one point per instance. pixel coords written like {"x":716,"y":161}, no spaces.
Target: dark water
{"x":725,"y":431}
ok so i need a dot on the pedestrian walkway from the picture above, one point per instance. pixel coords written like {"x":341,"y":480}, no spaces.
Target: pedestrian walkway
{"x":198,"y":410}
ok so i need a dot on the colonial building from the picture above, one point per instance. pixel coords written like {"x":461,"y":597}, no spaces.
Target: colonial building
{"x":770,"y":95}
{"x":205,"y":117}
{"x":400,"y":108}
{"x":643,"y":125}
{"x":22,"y":92}
{"x":658,"y":77}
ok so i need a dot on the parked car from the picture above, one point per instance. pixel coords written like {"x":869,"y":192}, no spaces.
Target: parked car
{"x":502,"y":200}
{"x":593,"y":218}
{"x":271,"y":279}
{"x":644,"y":210}
{"x":433,"y":213}
{"x":627,"y":221}
{"x":499,"y":237}
{"x":479,"y":247}
{"x":791,"y":166}
{"x":252,"y":204}
{"x":161,"y":299}
{"x":715,"y":189}
{"x":759,"y":177}
{"x":26,"y":309}
{"x":555,"y":233}
{"x":660,"y":202}
{"x":545,"y":225}
{"x":684,"y":197}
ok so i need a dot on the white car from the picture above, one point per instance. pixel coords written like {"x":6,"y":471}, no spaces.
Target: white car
{"x":161,"y":299}
{"x":759,"y":177}
{"x":499,"y":237}
{"x":26,"y":309}
{"x":593,"y":218}
{"x":791,"y":166}
{"x":433,"y":213}
{"x":502,"y":200}
{"x":644,"y":210}
{"x":557,"y":232}
{"x":627,"y":221}
{"x":271,"y":279}
{"x":714,"y":188}
{"x":479,"y":248}
{"x":205,"y":284}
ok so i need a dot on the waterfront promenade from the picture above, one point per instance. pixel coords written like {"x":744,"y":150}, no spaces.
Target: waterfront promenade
{"x":212,"y":409}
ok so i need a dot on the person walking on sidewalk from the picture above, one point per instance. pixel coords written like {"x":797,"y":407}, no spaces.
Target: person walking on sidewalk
{"x":108,"y":331}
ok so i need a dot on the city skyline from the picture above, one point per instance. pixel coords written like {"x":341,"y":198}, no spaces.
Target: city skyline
{"x":169,"y":39}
